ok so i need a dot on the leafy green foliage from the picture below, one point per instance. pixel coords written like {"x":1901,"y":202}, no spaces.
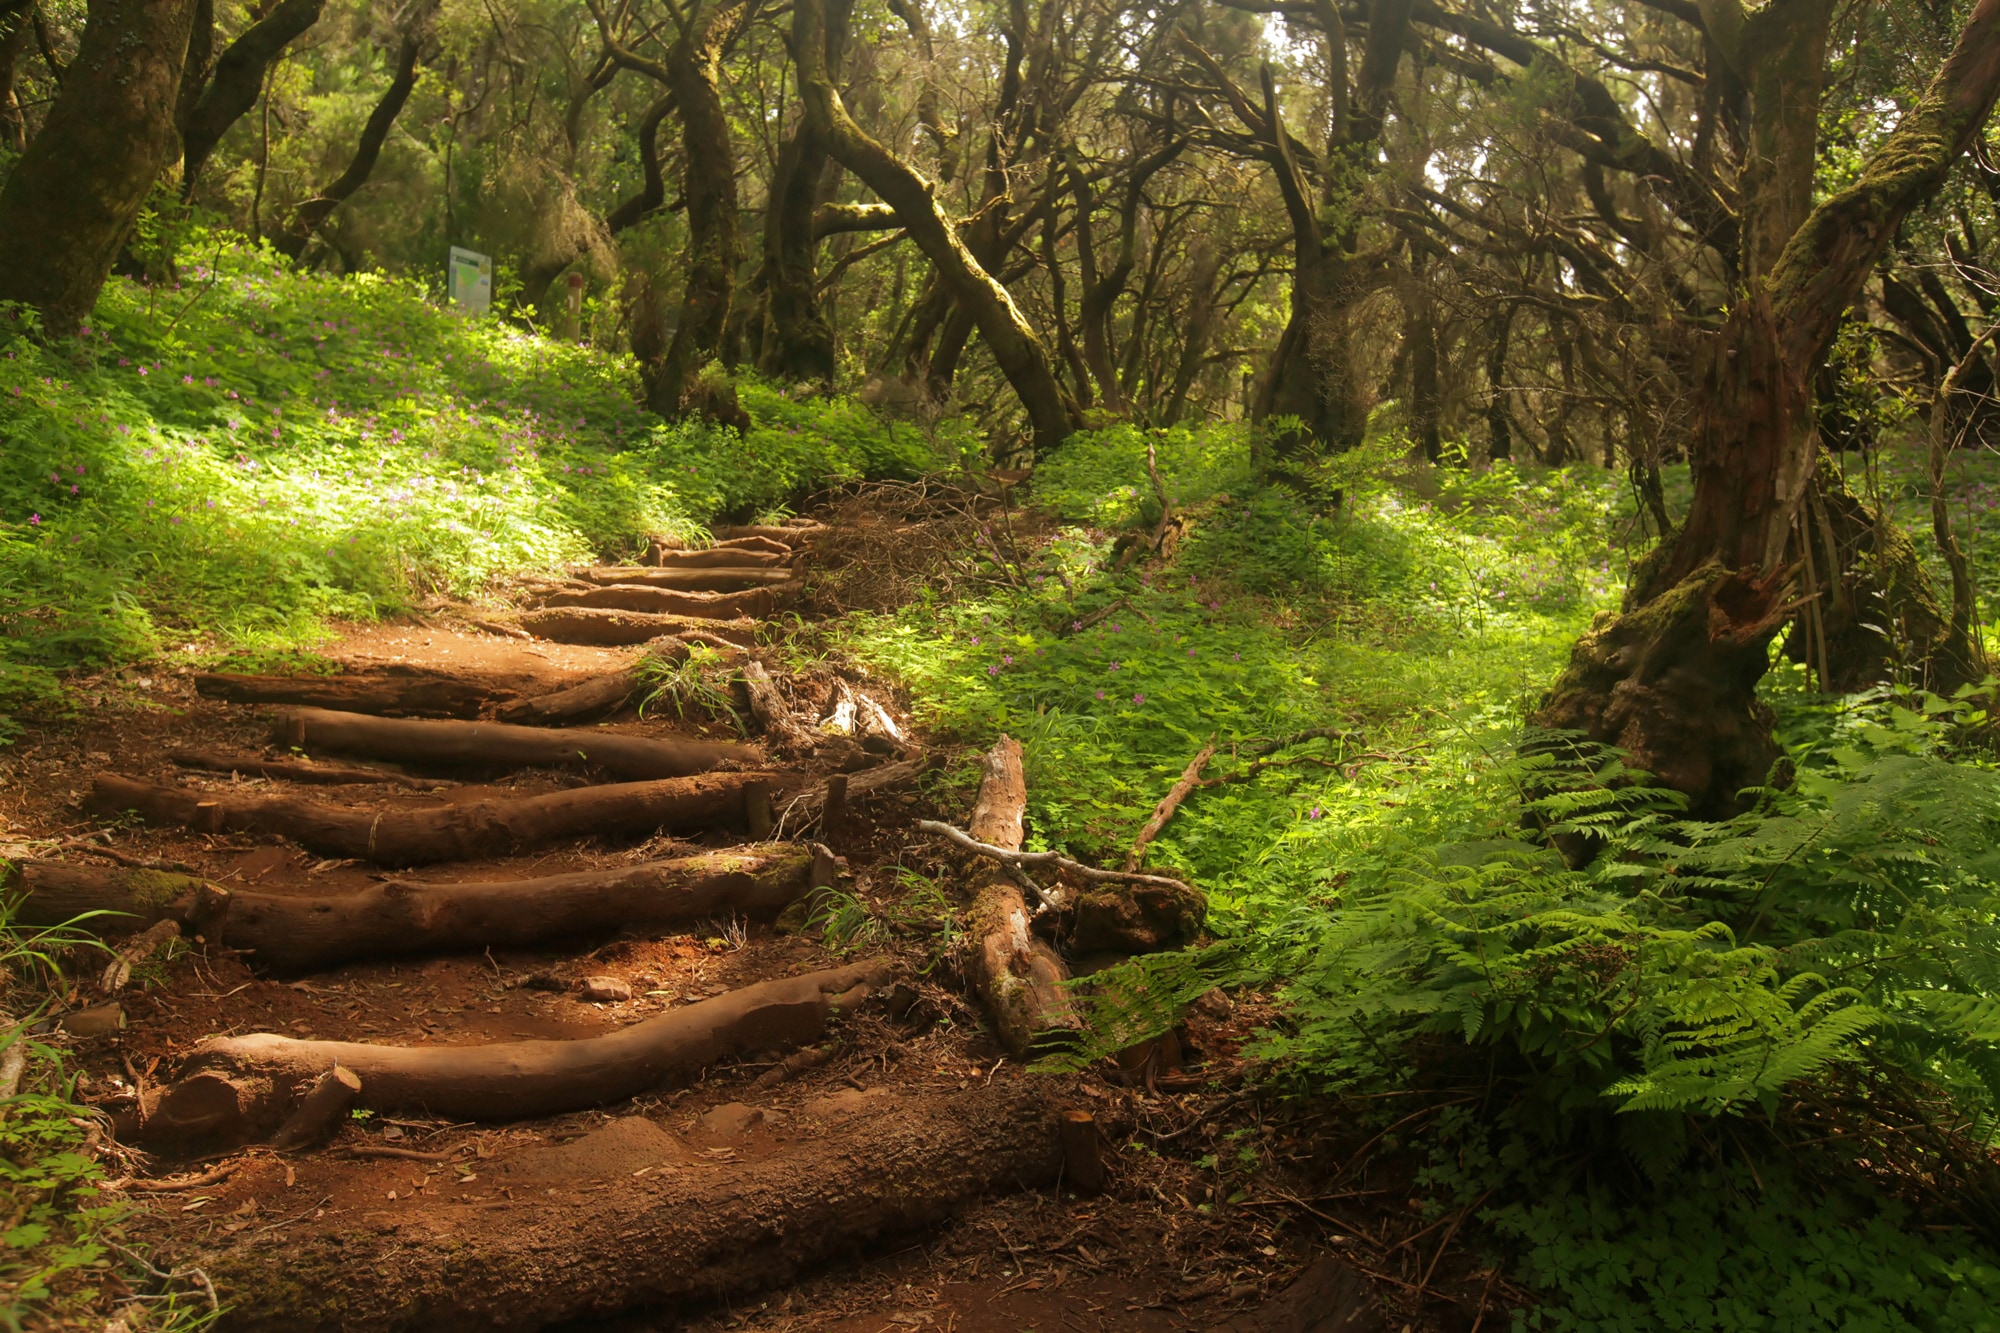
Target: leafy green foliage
{"x":238,"y":458}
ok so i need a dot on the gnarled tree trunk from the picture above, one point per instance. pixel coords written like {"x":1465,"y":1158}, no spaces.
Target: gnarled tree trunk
{"x":1015,"y":346}
{"x":238,"y":79}
{"x":72,"y":198}
{"x":1672,"y":678}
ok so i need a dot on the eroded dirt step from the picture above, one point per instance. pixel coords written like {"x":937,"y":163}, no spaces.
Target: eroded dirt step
{"x":633,"y":1213}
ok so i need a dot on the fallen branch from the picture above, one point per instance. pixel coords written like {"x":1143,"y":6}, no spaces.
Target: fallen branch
{"x":1061,"y":862}
{"x":1190,"y":779}
{"x":134,"y":952}
{"x":289,"y":770}
{"x":411,"y":691}
{"x":88,"y":843}
{"x":234,"y":1089}
{"x":470,"y":830}
{"x":1020,"y":978}
{"x":1262,"y":748}
{"x":458,"y":743}
{"x":617,"y":629}
{"x":664,"y":601}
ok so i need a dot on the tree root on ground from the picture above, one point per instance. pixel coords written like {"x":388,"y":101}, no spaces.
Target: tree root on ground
{"x":414,"y":835}
{"x":233,"y":1090}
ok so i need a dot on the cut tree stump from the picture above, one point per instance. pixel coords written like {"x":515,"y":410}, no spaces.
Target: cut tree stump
{"x":1019,"y":977}
{"x":292,"y":770}
{"x":599,"y":628}
{"x":320,"y":1111}
{"x":413,"y":835}
{"x":298,"y":934}
{"x":233,"y":1090}
{"x":413,"y":692}
{"x":459,"y":743}
{"x":723,"y":579}
{"x":665,"y":601}
{"x":862,"y":1172}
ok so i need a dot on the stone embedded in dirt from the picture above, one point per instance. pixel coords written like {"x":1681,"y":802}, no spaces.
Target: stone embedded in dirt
{"x":544,"y":981}
{"x":1215,"y":1004}
{"x":97,"y":1021}
{"x":732,"y":1120}
{"x":605,"y":990}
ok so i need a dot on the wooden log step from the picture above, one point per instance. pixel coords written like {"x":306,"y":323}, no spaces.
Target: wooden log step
{"x":232,"y":1090}
{"x":117,"y":899}
{"x":412,"y":692}
{"x":297,"y":933}
{"x":665,"y":1227}
{"x":295,"y":770}
{"x":720,"y":557}
{"x":790,"y":534}
{"x":665,"y":601}
{"x":415,"y":835}
{"x":615,"y":629}
{"x":684,"y":580}
{"x":764,"y":544}
{"x":456,"y":743}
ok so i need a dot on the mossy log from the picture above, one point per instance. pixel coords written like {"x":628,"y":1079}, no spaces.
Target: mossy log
{"x":232,"y":1090}
{"x":467,"y":830}
{"x":486,"y":743}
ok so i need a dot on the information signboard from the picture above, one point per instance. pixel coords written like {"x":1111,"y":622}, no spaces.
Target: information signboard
{"x":471,"y":281}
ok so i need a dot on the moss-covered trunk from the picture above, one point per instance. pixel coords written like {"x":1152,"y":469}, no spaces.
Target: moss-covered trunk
{"x":72,"y":198}
{"x":1672,"y":678}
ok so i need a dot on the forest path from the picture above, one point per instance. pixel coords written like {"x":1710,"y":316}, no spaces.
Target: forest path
{"x":895,"y":1171}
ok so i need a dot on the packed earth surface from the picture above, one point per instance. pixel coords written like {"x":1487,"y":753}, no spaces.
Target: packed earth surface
{"x":899,"y":1170}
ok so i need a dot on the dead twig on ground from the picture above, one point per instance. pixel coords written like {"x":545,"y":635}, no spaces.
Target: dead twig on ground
{"x":1057,"y":859}
{"x":1189,"y":780}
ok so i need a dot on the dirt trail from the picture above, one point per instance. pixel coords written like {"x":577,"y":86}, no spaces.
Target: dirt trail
{"x":897,"y":1172}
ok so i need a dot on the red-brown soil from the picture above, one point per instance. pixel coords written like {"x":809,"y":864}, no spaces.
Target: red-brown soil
{"x":727,"y":1179}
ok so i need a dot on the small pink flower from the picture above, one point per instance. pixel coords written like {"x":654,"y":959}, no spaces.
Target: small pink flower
{"x":34,"y":520}
{"x":1138,"y":698}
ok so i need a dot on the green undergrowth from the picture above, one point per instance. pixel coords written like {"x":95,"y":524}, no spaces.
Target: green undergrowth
{"x":1446,"y":912}
{"x":66,"y":1246}
{"x":236,"y":459}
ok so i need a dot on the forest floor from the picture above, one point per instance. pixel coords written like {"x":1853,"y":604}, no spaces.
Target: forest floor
{"x":413,"y":1221}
